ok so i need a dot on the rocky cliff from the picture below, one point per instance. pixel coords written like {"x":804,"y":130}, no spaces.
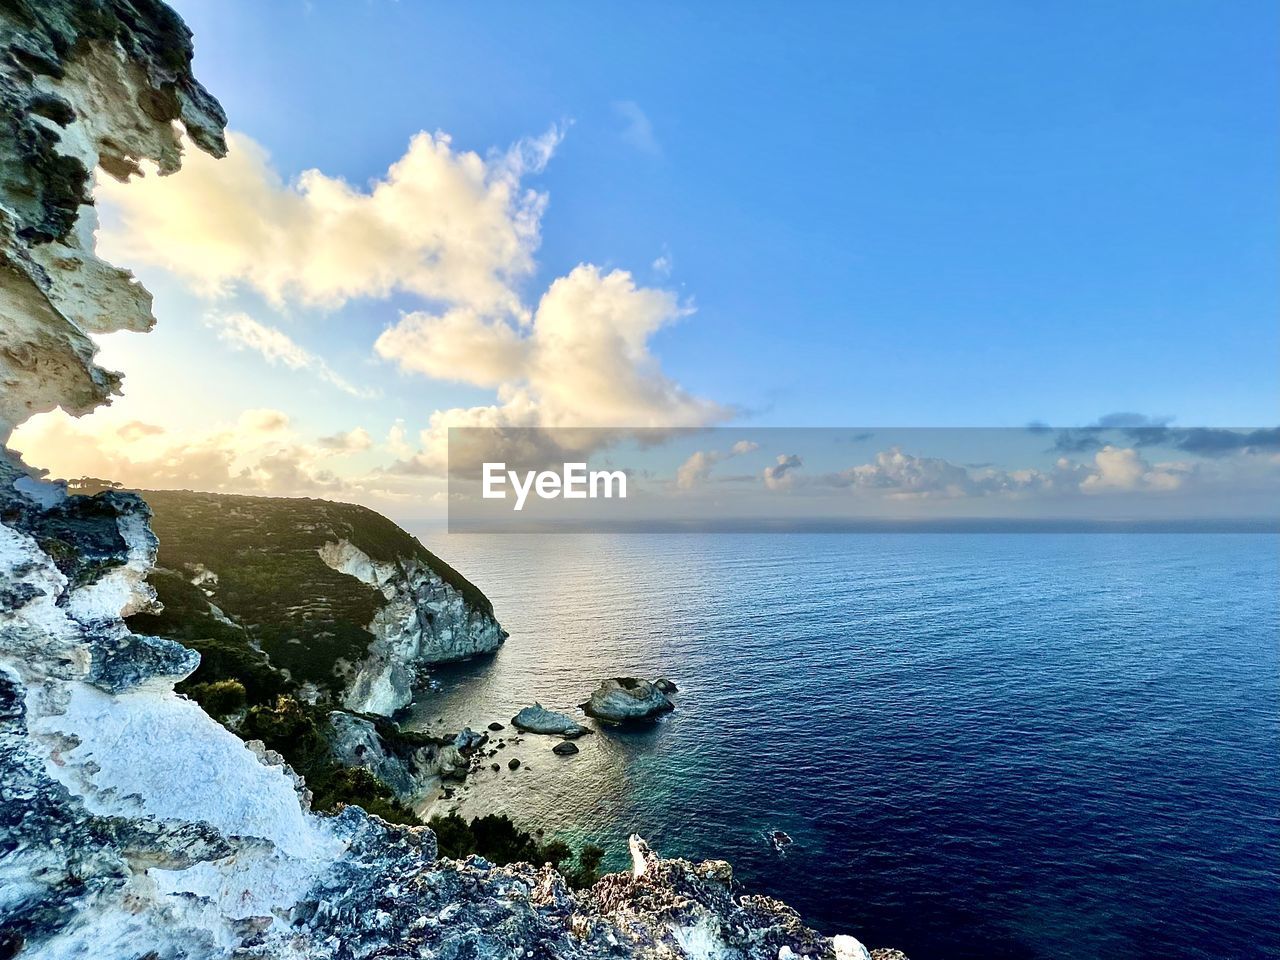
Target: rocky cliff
{"x":131,"y":824}
{"x":335,"y":595}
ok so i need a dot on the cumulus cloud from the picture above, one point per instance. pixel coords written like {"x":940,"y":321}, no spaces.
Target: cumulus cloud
{"x":454,"y":229}
{"x":904,"y":475}
{"x":277,"y":348}
{"x":398,"y":441}
{"x":258,"y":452}
{"x":897,"y":474}
{"x":460,"y":345}
{"x":441,"y":223}
{"x":353,"y":441}
{"x":780,"y":475}
{"x":582,"y":364}
{"x":583,"y":361}
{"x":1123,"y":469}
{"x":696,"y":470}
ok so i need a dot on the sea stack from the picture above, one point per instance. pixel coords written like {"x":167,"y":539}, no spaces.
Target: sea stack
{"x":627,"y":700}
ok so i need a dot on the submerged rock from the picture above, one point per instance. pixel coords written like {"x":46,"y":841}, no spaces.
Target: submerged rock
{"x":538,"y":719}
{"x":627,"y":700}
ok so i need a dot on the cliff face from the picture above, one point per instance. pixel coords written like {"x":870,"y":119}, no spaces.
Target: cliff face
{"x":131,"y":824}
{"x":424,"y":621}
{"x":334,"y":594}
{"x":92,"y":84}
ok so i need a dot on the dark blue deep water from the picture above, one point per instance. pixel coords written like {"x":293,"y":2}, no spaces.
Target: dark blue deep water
{"x":996,"y":746}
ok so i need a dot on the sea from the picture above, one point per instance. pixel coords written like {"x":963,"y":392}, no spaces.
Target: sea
{"x":1004,"y":745}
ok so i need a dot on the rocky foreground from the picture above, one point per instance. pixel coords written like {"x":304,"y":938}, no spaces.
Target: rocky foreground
{"x":131,"y":823}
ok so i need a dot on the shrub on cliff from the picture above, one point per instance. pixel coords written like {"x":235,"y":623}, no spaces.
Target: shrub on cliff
{"x":220,"y":698}
{"x":496,"y":838}
{"x":289,"y":727}
{"x":357,"y":786}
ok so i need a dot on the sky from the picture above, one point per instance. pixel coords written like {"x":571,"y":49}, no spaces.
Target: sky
{"x":671,"y":215}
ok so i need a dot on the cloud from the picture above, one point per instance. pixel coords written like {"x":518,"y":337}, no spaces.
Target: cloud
{"x":245,"y":333}
{"x":255,"y":453}
{"x":581,"y":365}
{"x":443,"y":224}
{"x":353,"y":441}
{"x":779,"y":476}
{"x":1208,"y":441}
{"x":904,"y":475}
{"x":1130,"y":419}
{"x":637,"y":129}
{"x":458,"y":345}
{"x":696,"y":470}
{"x":397,"y":441}
{"x":1123,"y":469}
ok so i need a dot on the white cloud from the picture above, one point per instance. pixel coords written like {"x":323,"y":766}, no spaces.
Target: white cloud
{"x":277,"y":348}
{"x":1123,"y":468}
{"x":696,"y":470}
{"x":397,"y":441}
{"x":444,"y":224}
{"x":637,"y":128}
{"x":781,"y":474}
{"x":458,"y":345}
{"x":583,"y":361}
{"x":353,"y":441}
{"x":256,"y":453}
{"x":905,"y":475}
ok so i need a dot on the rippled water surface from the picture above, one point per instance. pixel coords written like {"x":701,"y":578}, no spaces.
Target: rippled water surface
{"x":991,"y":745}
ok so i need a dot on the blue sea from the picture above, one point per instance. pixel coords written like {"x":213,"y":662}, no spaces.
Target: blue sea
{"x":983,"y":745}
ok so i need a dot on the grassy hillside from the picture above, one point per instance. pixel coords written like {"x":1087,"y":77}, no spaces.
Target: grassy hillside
{"x":286,"y":607}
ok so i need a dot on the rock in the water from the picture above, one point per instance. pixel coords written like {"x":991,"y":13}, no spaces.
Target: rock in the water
{"x":627,"y":700}
{"x":665,"y":685}
{"x":566,"y":748}
{"x":467,"y":741}
{"x":513,"y":763}
{"x":538,"y":719}
{"x":496,"y":726}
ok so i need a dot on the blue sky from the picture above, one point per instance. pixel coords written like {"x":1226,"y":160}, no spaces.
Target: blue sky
{"x":942,"y":213}
{"x":937,"y":214}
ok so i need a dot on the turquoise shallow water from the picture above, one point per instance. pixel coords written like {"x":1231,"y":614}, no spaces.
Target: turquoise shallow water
{"x":1020,"y":745}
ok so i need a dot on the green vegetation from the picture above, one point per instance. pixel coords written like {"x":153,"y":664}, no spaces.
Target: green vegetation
{"x":299,"y":732}
{"x":500,"y":841}
{"x":220,"y":698}
{"x":358,"y":787}
{"x":274,"y":605}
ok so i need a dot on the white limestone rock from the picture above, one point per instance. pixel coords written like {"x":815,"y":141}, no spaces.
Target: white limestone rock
{"x":423,"y":621}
